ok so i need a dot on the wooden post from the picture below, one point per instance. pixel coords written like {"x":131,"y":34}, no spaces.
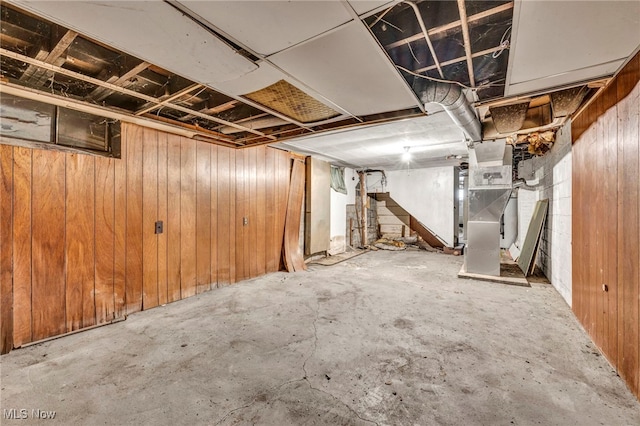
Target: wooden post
{"x":363,"y":210}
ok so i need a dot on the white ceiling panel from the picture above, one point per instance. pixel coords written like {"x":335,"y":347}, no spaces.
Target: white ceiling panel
{"x":560,"y":42}
{"x":430,"y":138}
{"x":363,"y":6}
{"x":264,"y":76}
{"x":152,"y":31}
{"x":348,"y":67}
{"x":268,"y":27}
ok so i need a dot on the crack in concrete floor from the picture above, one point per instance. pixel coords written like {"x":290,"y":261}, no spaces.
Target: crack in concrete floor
{"x":401,"y":338}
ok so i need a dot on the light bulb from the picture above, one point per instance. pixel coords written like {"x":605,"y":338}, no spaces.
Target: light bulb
{"x":406,"y":156}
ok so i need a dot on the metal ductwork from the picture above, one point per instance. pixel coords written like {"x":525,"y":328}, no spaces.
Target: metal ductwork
{"x":509,"y":118}
{"x":454,"y":102}
{"x":490,"y":180}
{"x":566,"y":102}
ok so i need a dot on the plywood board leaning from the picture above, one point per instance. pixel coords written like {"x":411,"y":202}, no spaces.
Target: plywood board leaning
{"x":530,"y":245}
{"x":293,"y":258}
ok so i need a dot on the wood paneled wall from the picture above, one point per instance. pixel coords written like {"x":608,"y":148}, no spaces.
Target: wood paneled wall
{"x":77,"y":232}
{"x":606,"y":222}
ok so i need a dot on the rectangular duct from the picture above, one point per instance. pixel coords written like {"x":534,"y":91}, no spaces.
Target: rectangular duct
{"x":490,"y":179}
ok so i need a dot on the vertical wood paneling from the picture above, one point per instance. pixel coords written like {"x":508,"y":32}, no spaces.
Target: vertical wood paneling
{"x":213,"y":219}
{"x":260,"y":231}
{"x":606,"y":222}
{"x":173,"y":218}
{"x":224,"y":238}
{"x":599,"y":230}
{"x":188,"y":217}
{"x":120,"y":228}
{"x":233,"y":215}
{"x":149,"y":217}
{"x":611,"y":221}
{"x":592,"y":225}
{"x":104,"y":239}
{"x":79,"y":231}
{"x":47,"y":250}
{"x":247,"y":251}
{"x":254,"y":224}
{"x":629,"y":186}
{"x":80,"y":250}
{"x":22,"y":182}
{"x":241,"y":214}
{"x":134,"y":274}
{"x":203,"y":217}
{"x":6,"y":248}
{"x":270,"y":197}
{"x":162,"y":216}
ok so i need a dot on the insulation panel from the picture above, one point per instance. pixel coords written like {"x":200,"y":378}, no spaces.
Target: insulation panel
{"x":292,"y":102}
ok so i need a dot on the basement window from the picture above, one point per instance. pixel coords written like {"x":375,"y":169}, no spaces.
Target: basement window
{"x":31,"y":123}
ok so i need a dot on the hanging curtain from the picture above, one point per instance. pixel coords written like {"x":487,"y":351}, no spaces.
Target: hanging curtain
{"x":337,"y":180}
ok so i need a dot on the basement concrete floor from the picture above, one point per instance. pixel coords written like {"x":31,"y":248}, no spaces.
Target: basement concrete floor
{"x":387,"y":338}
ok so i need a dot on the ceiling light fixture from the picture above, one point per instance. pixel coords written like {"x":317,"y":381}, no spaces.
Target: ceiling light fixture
{"x":406,"y":156}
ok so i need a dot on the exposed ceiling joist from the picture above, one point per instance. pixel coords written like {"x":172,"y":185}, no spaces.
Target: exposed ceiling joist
{"x":37,"y":77}
{"x":214,"y":110}
{"x":159,"y":123}
{"x":95,"y":81}
{"x":467,"y":41}
{"x":101,"y":93}
{"x":168,"y":100}
{"x":462,"y":58}
{"x":444,"y":28}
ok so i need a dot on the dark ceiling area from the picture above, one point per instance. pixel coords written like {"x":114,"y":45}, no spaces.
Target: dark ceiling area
{"x":463,"y":41}
{"x":278,"y":71}
{"x":46,"y":57}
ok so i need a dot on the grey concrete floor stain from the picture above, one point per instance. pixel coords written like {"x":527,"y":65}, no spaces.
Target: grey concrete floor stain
{"x":386,"y":338}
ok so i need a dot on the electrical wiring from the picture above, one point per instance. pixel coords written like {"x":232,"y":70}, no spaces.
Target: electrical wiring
{"x":381,"y":16}
{"x":504,"y":43}
{"x":413,"y":54}
{"x":440,"y":80}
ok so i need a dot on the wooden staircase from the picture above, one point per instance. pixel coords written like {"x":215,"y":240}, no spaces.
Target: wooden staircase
{"x":395,"y":221}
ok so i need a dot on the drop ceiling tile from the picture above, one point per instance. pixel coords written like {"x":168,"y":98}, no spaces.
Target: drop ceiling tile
{"x":430,"y":138}
{"x":559,"y":42}
{"x":271,"y":26}
{"x":152,"y":31}
{"x":363,"y":6}
{"x":348,"y":67}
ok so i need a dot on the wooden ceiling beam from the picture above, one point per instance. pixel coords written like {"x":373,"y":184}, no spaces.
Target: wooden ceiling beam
{"x":462,"y":58}
{"x":464,"y":23}
{"x":95,"y":81}
{"x":444,"y":28}
{"x":214,"y":110}
{"x":158,"y":123}
{"x":37,"y":77}
{"x":167,"y":100}
{"x":101,"y":93}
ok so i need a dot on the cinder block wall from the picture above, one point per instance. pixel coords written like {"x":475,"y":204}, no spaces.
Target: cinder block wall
{"x":552,"y":174}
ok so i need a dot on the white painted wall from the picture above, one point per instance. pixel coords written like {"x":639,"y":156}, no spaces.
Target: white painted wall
{"x":428,"y":195}
{"x":339,"y":212}
{"x":552,"y":173}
